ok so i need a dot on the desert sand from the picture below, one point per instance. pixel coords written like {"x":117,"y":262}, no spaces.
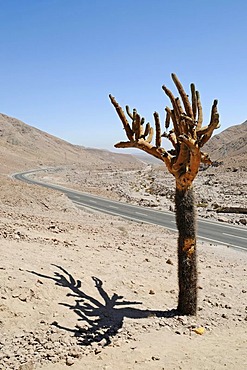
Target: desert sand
{"x":86,"y":290}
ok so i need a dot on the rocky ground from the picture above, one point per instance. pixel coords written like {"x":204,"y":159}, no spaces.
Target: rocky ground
{"x":88,"y":290}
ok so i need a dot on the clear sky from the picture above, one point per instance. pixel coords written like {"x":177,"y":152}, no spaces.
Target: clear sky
{"x":60,"y":59}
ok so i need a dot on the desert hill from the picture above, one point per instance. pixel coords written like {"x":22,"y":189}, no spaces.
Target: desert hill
{"x":23,"y":147}
{"x":230,"y":146}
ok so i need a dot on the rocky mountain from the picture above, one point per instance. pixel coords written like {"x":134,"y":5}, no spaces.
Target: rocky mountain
{"x":25,"y":147}
{"x":230,"y":146}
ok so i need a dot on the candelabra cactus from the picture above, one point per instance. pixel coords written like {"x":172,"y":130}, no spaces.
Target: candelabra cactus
{"x":187,"y":138}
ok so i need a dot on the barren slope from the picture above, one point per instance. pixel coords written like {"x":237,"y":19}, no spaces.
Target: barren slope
{"x":230,"y":146}
{"x":24,"y":147}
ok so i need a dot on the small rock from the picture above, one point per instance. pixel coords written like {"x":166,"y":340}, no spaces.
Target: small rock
{"x":222,"y":219}
{"x":155,"y":358}
{"x":200,"y":330}
{"x":151,"y":291}
{"x":169,"y":261}
{"x":103,"y":342}
{"x":228,"y":306}
{"x":69,"y":361}
{"x":23,"y":297}
{"x":97,"y":351}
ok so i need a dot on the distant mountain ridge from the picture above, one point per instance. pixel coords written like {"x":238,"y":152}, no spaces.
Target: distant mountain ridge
{"x":24,"y":147}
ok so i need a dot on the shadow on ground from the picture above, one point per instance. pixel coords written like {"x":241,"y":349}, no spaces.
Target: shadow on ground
{"x":100,"y":320}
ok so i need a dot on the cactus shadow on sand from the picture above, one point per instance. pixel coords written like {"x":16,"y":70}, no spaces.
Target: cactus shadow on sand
{"x":98,"y":319}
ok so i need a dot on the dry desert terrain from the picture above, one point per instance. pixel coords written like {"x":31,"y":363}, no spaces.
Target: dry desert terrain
{"x":85,"y":290}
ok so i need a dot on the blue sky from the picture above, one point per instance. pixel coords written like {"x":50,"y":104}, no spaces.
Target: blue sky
{"x":61,"y":58}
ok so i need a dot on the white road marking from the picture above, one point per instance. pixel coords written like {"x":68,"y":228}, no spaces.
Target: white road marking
{"x":113,"y":207}
{"x":141,"y":214}
{"x":220,"y":224}
{"x":221,"y":243}
{"x":235,"y":236}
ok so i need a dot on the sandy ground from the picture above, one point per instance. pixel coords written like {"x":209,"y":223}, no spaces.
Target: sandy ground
{"x":85,"y":290}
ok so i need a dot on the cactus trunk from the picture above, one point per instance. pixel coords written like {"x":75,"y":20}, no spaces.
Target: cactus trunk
{"x":187,"y":262}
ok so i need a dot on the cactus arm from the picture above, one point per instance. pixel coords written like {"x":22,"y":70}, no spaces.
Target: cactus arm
{"x":122,"y":117}
{"x":134,"y":121}
{"x":158,"y":130}
{"x":211,"y":128}
{"x":173,"y":101}
{"x":142,"y":126}
{"x":128,"y":112}
{"x":208,"y":130}
{"x":184,"y":96}
{"x":214,"y":120}
{"x":194,"y":100}
{"x":168,"y":119}
{"x":214,"y":110}
{"x":147,"y":129}
{"x":174,"y":121}
{"x":142,"y":144}
{"x":199,"y":108}
{"x":150,"y":135}
{"x":179,"y":106}
{"x":137,"y":126}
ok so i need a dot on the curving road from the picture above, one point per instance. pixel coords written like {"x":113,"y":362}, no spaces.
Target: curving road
{"x":212,"y":231}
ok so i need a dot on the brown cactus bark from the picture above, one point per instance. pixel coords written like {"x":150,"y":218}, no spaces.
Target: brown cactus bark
{"x":187,"y":138}
{"x":187,"y":261}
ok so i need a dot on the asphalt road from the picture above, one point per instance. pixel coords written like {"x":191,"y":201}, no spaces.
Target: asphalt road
{"x":212,"y":231}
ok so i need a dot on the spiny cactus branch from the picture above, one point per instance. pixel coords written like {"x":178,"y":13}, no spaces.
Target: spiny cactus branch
{"x":184,"y":96}
{"x":199,"y":108}
{"x":168,"y":118}
{"x":158,"y":129}
{"x":142,"y":144}
{"x":122,"y":117}
{"x":128,"y":111}
{"x":194,"y":100}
